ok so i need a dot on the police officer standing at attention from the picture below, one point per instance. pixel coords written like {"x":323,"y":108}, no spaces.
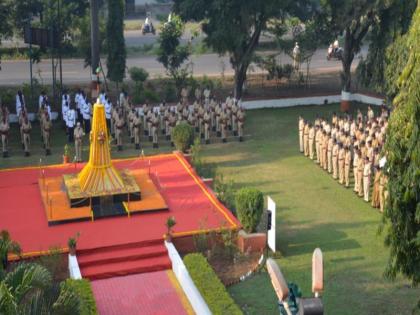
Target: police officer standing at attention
{"x":71,"y":122}
{"x":78,"y":138}
{"x":4,"y":132}
{"x":47,"y":126}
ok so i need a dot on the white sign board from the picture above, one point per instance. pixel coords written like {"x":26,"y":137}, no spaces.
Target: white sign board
{"x":271,"y":206}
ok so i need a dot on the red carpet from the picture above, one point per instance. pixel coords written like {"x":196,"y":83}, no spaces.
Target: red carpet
{"x":155,"y":293}
{"x":190,"y":202}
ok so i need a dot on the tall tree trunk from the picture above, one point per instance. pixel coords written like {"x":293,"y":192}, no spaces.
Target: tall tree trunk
{"x":347,"y":60}
{"x":240,"y":77}
{"x":94,"y":35}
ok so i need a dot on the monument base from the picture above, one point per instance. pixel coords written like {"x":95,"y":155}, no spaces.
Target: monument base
{"x":64,"y":202}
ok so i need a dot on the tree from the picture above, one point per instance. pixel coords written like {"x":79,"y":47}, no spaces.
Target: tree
{"x":235,"y":26}
{"x":5,"y":20}
{"x":171,"y":54}
{"x":7,"y":245}
{"x":353,"y":20}
{"x":392,"y":22}
{"x":402,"y":149}
{"x":115,"y":40}
{"x":28,"y":289}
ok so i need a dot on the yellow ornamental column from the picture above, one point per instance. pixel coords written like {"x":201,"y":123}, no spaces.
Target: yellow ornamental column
{"x":99,"y":177}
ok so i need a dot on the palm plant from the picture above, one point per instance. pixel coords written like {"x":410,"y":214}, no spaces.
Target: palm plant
{"x":7,"y":246}
{"x":29,"y":289}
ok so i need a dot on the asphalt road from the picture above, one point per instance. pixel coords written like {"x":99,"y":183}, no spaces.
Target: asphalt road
{"x":16,"y":72}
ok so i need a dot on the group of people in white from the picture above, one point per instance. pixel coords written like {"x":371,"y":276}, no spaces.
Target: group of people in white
{"x":344,"y":144}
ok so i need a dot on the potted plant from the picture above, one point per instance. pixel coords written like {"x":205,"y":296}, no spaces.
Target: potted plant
{"x":170,"y":223}
{"x":72,"y":244}
{"x":66,"y":154}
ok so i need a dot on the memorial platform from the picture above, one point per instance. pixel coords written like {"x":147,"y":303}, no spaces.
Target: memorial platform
{"x":188,"y":199}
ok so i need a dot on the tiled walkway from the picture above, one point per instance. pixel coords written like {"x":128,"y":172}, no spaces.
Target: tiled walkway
{"x":155,"y":293}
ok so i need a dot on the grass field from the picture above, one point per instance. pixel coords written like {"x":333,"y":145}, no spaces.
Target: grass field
{"x":313,"y":211}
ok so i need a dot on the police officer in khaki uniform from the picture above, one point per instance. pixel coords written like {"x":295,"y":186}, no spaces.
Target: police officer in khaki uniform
{"x":335,"y":158}
{"x":301,"y":126}
{"x":347,"y":164}
{"x":137,"y":130}
{"x":172,"y":123}
{"x":4,"y":132}
{"x":366,"y":178}
{"x":341,"y":154}
{"x":155,"y":128}
{"x":78,"y":139}
{"x":360,"y":167}
{"x":119,"y":125}
{"x":47,"y":127}
{"x":223,"y":126}
{"x":26,"y":129}
{"x":329,"y":153}
{"x":383,"y":191}
{"x":241,"y":120}
{"x":130,"y":117}
{"x":206,"y":120}
{"x":311,"y":141}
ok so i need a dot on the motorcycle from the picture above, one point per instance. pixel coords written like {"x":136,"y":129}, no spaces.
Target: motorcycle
{"x":336,"y":53}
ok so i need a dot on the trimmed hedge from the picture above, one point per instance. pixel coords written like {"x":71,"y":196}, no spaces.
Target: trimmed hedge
{"x":84,"y":290}
{"x":210,"y":286}
{"x":183,"y":135}
{"x":249,"y":207}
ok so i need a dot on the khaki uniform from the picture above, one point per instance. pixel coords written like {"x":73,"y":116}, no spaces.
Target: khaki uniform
{"x":206,"y":120}
{"x":130,"y":118}
{"x":355,"y":173}
{"x":318,"y":135}
{"x":172,"y":124}
{"x":306,"y":140}
{"x":301,"y":127}
{"x":311,"y":142}
{"x":241,"y":120}
{"x":200,"y":120}
{"x":234,"y":111}
{"x":119,"y":125}
{"x":155,"y":128}
{"x":26,"y":129}
{"x":137,"y":131}
{"x":78,"y":139}
{"x":335,"y":160}
{"x":341,"y":154}
{"x":375,"y":193}
{"x":329,"y":153}
{"x":4,"y":132}
{"x":223,"y":126}
{"x":383,"y":191}
{"x":360,"y":167}
{"x":347,"y":164}
{"x":47,"y":125}
{"x":325,"y":152}
{"x":366,"y":180}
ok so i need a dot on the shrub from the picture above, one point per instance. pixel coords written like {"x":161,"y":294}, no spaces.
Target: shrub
{"x":83,"y":289}
{"x":138,"y":75}
{"x":225,"y":192}
{"x":210,"y":286}
{"x":183,"y":136}
{"x":249,"y":206}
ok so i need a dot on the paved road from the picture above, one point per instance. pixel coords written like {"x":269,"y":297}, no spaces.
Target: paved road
{"x":17,"y":72}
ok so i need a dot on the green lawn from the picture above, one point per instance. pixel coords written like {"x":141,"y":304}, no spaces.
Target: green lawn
{"x":313,"y":211}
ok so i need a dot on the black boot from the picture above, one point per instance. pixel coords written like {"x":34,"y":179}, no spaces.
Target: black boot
{"x":137,"y":146}
{"x":219,"y":134}
{"x":27,"y":153}
{"x":235,"y":133}
{"x":47,"y":152}
{"x":172,"y":144}
{"x":23,"y":146}
{"x":224,"y":140}
{"x":132,"y":140}
{"x":163,"y":131}
{"x":241,"y":139}
{"x":208,"y":141}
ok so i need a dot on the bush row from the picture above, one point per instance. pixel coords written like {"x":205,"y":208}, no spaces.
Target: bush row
{"x":210,"y":286}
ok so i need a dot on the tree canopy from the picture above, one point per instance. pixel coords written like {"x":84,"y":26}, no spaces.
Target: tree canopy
{"x":235,"y":26}
{"x":402,"y":149}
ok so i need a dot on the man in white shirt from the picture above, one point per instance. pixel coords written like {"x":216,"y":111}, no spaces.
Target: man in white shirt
{"x":86,"y":113}
{"x":20,"y":102}
{"x":71,"y":122}
{"x":42,"y":99}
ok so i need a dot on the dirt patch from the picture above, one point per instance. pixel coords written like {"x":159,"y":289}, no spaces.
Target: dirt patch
{"x":231,"y":268}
